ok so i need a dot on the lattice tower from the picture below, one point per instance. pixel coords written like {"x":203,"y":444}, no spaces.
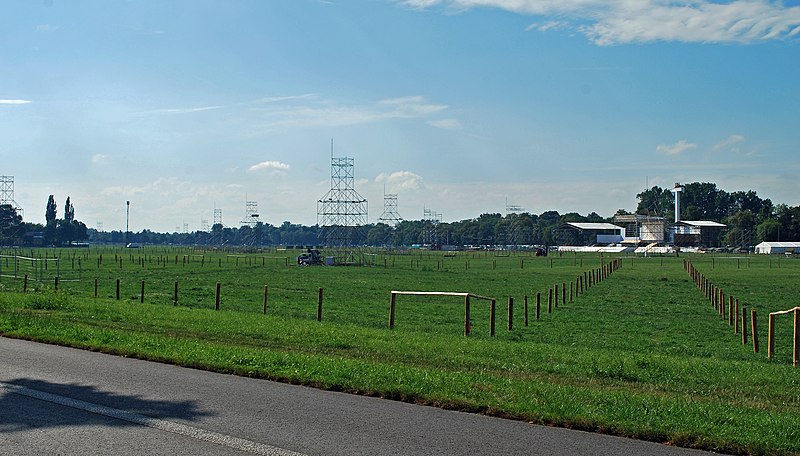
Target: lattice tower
{"x":390,"y":215}
{"x":514,"y":229}
{"x":430,"y":233}
{"x":250,"y":213}
{"x":342,"y":211}
{"x":7,"y":193}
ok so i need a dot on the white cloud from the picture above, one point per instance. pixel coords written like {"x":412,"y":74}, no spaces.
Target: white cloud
{"x":547,"y":26}
{"x":405,"y":180}
{"x":675,"y":149}
{"x":184,"y":110}
{"x":620,"y":22}
{"x":277,"y":99}
{"x":46,"y":28}
{"x":99,"y":158}
{"x":729,"y":142}
{"x":269,"y":165}
{"x":14,"y":102}
{"x":321,"y":112}
{"x":446,"y":124}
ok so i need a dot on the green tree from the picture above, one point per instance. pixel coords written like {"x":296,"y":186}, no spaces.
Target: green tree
{"x":51,"y":225}
{"x":10,"y":225}
{"x":69,"y":212}
{"x":769,"y":230}
{"x":50,"y":212}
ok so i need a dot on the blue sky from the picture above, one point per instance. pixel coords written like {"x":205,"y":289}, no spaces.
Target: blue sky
{"x":459,"y":106}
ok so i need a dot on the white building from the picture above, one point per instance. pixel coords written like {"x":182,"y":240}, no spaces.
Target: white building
{"x":778,"y":247}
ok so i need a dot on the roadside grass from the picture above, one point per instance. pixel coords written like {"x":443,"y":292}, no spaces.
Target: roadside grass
{"x":641,"y":354}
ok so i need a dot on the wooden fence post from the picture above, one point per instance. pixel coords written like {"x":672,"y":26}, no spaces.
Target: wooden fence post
{"x":266,"y":289}
{"x":538,"y":305}
{"x":563,"y":293}
{"x":56,"y":283}
{"x":734,"y":316}
{"x":141,"y":296}
{"x":555,"y":295}
{"x":771,"y":336}
{"x":216,"y":300}
{"x":744,"y":325}
{"x":525,"y":306}
{"x":510,"y":313}
{"x":492,"y":315}
{"x":319,"y":304}
{"x":466,"y":316}
{"x":95,"y":287}
{"x":117,"y":289}
{"x":175,"y":294}
{"x":550,"y":300}
{"x":391,"y":310}
{"x":754,"y":329}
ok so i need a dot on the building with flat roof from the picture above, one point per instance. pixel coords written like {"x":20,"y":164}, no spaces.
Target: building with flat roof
{"x":693,"y":233}
{"x":587,"y":233}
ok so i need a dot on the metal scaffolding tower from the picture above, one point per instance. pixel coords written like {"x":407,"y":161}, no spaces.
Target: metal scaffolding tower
{"x":342,"y":211}
{"x":250,"y":213}
{"x":390,"y":215}
{"x":7,"y":193}
{"x":430,"y":233}
{"x":514,"y":229}
{"x":251,"y":220}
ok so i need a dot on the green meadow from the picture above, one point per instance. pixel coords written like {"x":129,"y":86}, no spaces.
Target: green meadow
{"x":641,"y":353}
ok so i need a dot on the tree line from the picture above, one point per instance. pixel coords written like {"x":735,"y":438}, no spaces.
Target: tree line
{"x":55,"y":231}
{"x":749,"y":219}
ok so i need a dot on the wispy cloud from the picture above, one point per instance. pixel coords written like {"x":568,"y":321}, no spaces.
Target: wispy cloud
{"x":727,"y":143}
{"x":675,"y":149}
{"x":184,"y":110}
{"x":44,"y":28}
{"x":277,"y":99}
{"x":99,"y":158}
{"x":446,"y":124}
{"x":405,"y":180}
{"x":14,"y":102}
{"x":321,"y":112}
{"x":620,"y":22}
{"x":269,"y":165}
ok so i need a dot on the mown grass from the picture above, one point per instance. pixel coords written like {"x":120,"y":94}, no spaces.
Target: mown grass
{"x":641,"y":354}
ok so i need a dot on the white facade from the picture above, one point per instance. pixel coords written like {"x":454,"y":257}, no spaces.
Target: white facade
{"x":778,"y":247}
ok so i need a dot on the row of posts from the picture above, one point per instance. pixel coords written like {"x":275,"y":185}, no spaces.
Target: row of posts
{"x":217,"y":294}
{"x":716,"y":297}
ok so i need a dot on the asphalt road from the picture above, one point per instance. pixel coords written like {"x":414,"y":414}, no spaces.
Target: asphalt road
{"x":56,"y":400}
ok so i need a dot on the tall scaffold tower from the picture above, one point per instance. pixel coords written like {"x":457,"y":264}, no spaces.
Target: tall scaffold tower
{"x":514,"y":228}
{"x":216,"y":228}
{"x":251,"y":219}
{"x":390,"y":215}
{"x":7,"y":193}
{"x":342,"y":212}
{"x":430,"y":233}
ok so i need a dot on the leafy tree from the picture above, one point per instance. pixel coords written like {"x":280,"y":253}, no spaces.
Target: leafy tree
{"x":769,"y":230}
{"x":50,"y":212}
{"x":656,"y":201}
{"x":69,"y":212}
{"x":10,"y":225}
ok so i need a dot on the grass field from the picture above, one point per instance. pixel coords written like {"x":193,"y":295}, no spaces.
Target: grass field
{"x":640,"y":354}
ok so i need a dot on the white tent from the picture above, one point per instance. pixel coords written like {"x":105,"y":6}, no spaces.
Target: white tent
{"x":778,"y":247}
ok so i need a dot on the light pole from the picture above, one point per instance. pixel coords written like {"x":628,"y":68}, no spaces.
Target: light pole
{"x":127,"y":220}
